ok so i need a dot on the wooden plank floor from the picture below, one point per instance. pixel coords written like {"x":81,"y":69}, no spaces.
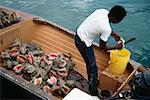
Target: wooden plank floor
{"x":54,"y":40}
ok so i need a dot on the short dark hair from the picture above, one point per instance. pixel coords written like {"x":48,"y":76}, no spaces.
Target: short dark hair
{"x":117,"y":12}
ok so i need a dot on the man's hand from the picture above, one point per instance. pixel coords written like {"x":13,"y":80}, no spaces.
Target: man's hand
{"x":119,"y":46}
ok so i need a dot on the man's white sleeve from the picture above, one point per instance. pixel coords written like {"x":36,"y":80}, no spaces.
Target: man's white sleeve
{"x":104,"y":36}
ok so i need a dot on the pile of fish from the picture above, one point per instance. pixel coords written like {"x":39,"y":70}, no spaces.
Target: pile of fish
{"x":48,"y":71}
{"x":8,"y":18}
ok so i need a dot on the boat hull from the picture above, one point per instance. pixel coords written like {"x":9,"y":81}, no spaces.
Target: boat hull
{"x":54,"y":38}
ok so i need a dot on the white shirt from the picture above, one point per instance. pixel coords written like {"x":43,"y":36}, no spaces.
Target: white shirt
{"x":97,"y":24}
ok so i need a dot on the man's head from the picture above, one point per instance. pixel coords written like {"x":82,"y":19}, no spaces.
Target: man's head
{"x":116,"y":14}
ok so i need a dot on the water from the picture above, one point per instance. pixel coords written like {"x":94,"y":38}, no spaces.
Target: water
{"x":70,"y":14}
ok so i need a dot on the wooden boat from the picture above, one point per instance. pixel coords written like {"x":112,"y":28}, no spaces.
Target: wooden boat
{"x":54,"y":38}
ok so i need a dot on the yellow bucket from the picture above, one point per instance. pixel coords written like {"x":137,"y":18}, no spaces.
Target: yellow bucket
{"x":118,"y":61}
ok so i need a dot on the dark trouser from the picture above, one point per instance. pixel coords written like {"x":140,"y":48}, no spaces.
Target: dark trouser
{"x":89,"y":58}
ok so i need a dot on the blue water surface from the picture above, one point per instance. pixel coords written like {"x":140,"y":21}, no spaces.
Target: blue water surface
{"x":71,"y":13}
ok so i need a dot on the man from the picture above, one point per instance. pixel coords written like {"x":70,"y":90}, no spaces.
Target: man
{"x":97,"y":24}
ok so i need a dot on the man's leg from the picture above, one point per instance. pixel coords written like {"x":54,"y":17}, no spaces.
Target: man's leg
{"x":93,"y":72}
{"x":89,"y":58}
{"x":82,"y":49}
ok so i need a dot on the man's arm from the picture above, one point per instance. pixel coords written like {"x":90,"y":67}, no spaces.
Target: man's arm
{"x":104,"y":47}
{"x":116,"y":36}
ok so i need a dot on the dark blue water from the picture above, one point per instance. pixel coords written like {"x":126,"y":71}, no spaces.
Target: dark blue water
{"x":70,"y":14}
